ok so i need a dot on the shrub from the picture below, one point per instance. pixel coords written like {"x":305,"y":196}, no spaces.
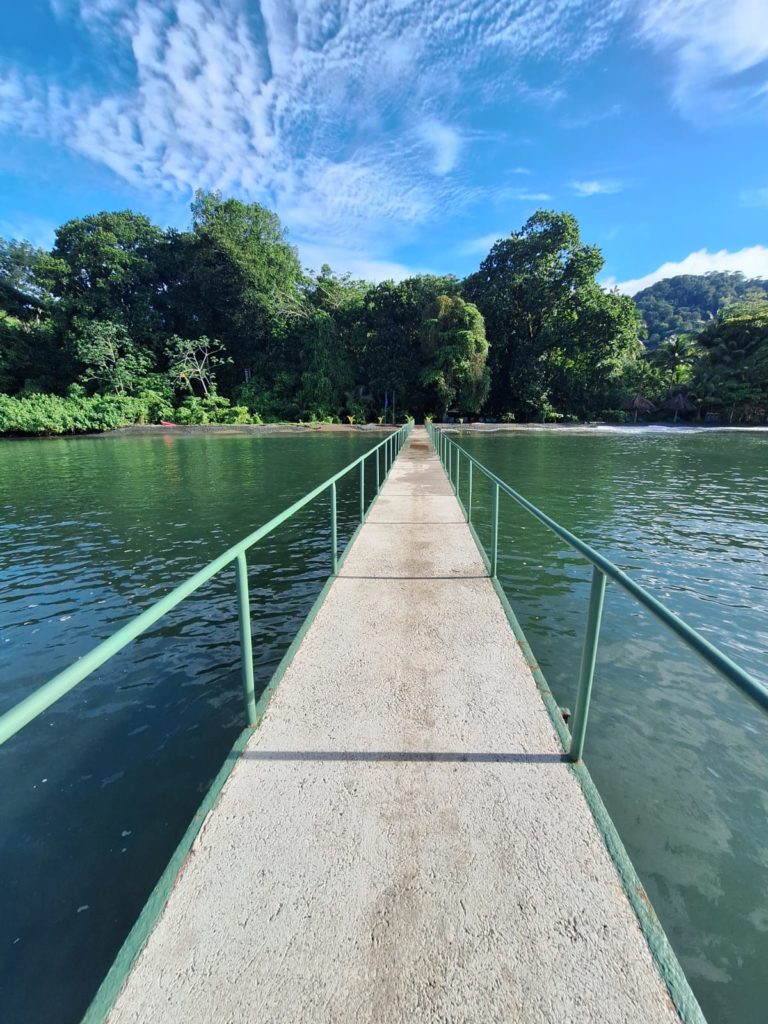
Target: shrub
{"x":613,"y":416}
{"x":213,"y":409}
{"x":51,"y":414}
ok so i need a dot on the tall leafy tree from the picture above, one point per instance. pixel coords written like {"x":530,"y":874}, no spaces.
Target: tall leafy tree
{"x":29,"y":354}
{"x":455,"y":350}
{"x":105,"y":267}
{"x":394,"y":317}
{"x":112,"y":361}
{"x":533,"y":289}
{"x":734,"y":373}
{"x":240,"y":277}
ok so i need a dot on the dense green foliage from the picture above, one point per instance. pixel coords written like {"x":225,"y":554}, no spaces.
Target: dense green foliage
{"x":679,"y":305}
{"x":123,"y":322}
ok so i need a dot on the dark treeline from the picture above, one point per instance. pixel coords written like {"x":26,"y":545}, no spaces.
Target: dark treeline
{"x":123,"y":322}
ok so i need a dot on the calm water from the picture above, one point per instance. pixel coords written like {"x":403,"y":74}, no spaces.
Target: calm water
{"x":679,"y":756}
{"x":98,"y":791}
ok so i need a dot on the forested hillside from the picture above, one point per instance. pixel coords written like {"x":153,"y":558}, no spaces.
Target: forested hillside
{"x":679,"y":305}
{"x":124,"y":322}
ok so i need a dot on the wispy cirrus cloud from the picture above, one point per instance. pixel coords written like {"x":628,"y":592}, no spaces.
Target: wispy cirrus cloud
{"x":718,"y":49}
{"x":754,"y":196}
{"x":592,"y":117}
{"x":752,"y":261}
{"x":480,"y":245}
{"x":350,"y":116}
{"x":596,"y":188}
{"x":324,"y":110}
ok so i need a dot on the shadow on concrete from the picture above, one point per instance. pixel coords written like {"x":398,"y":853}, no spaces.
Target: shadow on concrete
{"x":345,"y":576}
{"x":426,"y":756}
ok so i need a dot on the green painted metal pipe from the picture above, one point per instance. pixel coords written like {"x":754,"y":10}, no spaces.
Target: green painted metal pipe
{"x":378,"y":482}
{"x":495,"y":532}
{"x":458,"y":473}
{"x":588,"y":659}
{"x":727,"y":668}
{"x":362,"y":492}
{"x":25,"y":711}
{"x":246,"y":643}
{"x":334,"y":532}
{"x":469,"y":497}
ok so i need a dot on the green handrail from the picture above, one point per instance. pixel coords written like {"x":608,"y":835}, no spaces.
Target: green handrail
{"x":602,"y":570}
{"x":27,"y":710}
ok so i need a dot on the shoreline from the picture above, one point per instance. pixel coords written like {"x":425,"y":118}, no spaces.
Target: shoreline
{"x":245,"y":429}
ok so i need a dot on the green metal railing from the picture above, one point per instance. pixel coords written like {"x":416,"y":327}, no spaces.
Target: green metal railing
{"x":451,"y":455}
{"x":21,"y":714}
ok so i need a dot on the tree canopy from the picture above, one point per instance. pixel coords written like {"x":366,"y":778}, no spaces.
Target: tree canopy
{"x":220,"y":321}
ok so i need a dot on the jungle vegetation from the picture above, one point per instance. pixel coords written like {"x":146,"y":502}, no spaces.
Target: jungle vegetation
{"x":124,"y":322}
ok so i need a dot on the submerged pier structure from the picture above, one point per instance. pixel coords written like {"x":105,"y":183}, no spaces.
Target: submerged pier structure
{"x":404,"y":837}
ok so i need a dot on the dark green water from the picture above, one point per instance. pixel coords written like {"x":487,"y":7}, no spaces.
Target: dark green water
{"x":98,"y":791}
{"x":679,"y":756}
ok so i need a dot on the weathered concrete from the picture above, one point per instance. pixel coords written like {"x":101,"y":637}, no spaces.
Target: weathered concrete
{"x":401,"y":840}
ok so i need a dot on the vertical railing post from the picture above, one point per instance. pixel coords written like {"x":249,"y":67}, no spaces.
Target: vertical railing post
{"x":588,"y":659}
{"x":469,"y":496}
{"x":458,"y":472}
{"x":378,"y":481}
{"x":495,"y":532}
{"x":450,"y":464}
{"x":362,"y":490}
{"x":246,"y":645}
{"x":334,"y":540}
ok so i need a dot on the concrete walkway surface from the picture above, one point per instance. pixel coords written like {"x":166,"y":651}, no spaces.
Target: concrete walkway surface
{"x":402,"y":840}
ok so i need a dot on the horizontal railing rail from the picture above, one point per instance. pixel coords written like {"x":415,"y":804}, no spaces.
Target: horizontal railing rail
{"x":21,"y":714}
{"x":451,"y":455}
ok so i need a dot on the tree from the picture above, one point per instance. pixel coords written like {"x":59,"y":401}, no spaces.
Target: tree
{"x":598,"y":342}
{"x":545,"y":316}
{"x":455,"y":350}
{"x":29,"y":353}
{"x":686,"y":303}
{"x":240,"y":276}
{"x":110,"y":358}
{"x":105,"y":267}
{"x":394,"y":315}
{"x":193,"y":362}
{"x":733,"y":375}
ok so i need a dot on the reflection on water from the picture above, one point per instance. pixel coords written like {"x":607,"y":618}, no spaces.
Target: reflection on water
{"x":98,"y":791}
{"x":679,"y":756}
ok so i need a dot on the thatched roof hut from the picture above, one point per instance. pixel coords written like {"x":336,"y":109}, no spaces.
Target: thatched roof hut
{"x":638,"y":404}
{"x":679,"y":403}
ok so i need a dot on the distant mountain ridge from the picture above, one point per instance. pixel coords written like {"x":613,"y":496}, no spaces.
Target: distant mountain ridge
{"x":678,"y":305}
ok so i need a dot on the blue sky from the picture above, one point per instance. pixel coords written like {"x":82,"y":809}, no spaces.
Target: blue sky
{"x":394,"y":136}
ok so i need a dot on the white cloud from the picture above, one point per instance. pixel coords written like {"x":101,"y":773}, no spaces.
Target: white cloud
{"x":718,"y":49}
{"x":306,"y":105}
{"x":596,"y":188}
{"x":354,"y":262}
{"x":755,"y":197}
{"x":751,"y":261}
{"x":585,"y":120}
{"x":445,"y":143}
{"x":481,"y":245}
{"x":37,"y":230}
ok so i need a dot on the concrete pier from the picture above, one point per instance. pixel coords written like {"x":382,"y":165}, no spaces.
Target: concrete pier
{"x":402,"y":839}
